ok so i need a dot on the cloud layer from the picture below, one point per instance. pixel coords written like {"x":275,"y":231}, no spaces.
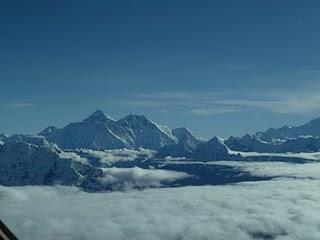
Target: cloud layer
{"x":278,"y":169}
{"x":279,"y":209}
{"x":304,"y":155}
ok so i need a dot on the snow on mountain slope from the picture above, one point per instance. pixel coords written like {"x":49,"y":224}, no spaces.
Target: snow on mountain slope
{"x":167,"y":131}
{"x":141,"y":132}
{"x":92,"y":135}
{"x":186,"y":144}
{"x":23,"y":163}
{"x":31,"y":139}
{"x":99,"y":131}
{"x":183,"y":132}
{"x":28,"y":164}
{"x":47,"y":131}
{"x":99,"y":116}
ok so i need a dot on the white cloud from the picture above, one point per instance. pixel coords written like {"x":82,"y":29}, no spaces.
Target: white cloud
{"x":278,"y":101}
{"x":125,"y":178}
{"x":16,"y":105}
{"x":277,"y":169}
{"x":280,"y":209}
{"x":212,"y":111}
{"x":115,"y":155}
{"x":192,"y":95}
{"x":73,"y":156}
{"x":304,"y":155}
{"x":172,"y":159}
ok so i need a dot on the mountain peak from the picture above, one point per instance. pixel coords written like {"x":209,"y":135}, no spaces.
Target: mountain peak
{"x":247,"y":137}
{"x":183,"y":134}
{"x":135,"y":116}
{"x":179,"y":132}
{"x":215,"y":139}
{"x":134,"y":119}
{"x":47,"y":131}
{"x":99,"y":116}
{"x":214,"y":149}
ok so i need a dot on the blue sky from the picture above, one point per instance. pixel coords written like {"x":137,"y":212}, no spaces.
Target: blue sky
{"x":218,"y":67}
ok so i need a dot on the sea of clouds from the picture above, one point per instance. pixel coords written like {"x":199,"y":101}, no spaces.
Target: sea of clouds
{"x":282,"y":208}
{"x":277,"y":169}
{"x":304,"y":155}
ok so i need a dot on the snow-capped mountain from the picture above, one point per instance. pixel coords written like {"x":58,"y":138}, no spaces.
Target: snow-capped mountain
{"x":182,"y":133}
{"x":99,"y":131}
{"x":99,"y":116}
{"x":92,"y":135}
{"x":312,"y":128}
{"x":138,"y":131}
{"x":24,"y":163}
{"x":186,"y":144}
{"x":304,"y":138}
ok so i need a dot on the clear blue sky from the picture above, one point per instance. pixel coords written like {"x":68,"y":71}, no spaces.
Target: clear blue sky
{"x":218,"y":67}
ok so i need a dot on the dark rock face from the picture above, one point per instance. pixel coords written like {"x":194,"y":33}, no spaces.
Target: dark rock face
{"x":213,"y":150}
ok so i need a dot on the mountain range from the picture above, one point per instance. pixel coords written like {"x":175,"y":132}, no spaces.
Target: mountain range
{"x":311,"y":128}
{"x":51,"y":157}
{"x":304,"y":138}
{"x":99,"y":131}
